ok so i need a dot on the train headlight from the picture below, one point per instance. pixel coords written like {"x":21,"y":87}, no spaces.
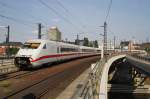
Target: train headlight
{"x":30,"y":59}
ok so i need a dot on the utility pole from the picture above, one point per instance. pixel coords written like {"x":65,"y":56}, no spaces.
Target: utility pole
{"x":7,"y":40}
{"x":8,"y":31}
{"x":105,"y":40}
{"x":77,"y":39}
{"x":102,"y":50}
{"x":39,"y":30}
{"x":114,"y":43}
{"x":110,"y":45}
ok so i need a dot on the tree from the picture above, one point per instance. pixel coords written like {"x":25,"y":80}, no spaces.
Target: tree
{"x":12,"y":51}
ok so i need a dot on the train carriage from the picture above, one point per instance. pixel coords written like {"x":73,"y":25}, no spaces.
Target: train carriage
{"x":35,"y":53}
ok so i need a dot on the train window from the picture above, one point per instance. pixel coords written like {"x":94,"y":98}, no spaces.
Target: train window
{"x":31,"y":45}
{"x":44,"y":47}
{"x":57,"y":49}
{"x":99,"y":51}
{"x":87,"y":50}
{"x":68,"y":49}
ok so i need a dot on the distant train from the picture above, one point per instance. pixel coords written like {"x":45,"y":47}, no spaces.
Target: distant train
{"x":35,"y":53}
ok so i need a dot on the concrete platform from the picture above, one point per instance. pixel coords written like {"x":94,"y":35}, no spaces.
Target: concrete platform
{"x":72,"y":88}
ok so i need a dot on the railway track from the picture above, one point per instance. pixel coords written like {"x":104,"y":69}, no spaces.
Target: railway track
{"x":38,"y":95}
{"x":45,"y":84}
{"x":15,"y":74}
{"x":44,"y":81}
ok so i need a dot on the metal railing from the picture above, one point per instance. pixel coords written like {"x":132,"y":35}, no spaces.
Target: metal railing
{"x":7,"y":65}
{"x":144,"y":58}
{"x":90,"y":89}
{"x":6,"y":62}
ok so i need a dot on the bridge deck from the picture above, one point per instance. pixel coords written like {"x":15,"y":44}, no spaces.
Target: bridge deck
{"x":145,"y":89}
{"x":141,"y":64}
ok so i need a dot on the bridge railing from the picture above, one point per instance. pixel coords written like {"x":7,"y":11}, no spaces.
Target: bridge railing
{"x":90,"y":89}
{"x":144,"y":58}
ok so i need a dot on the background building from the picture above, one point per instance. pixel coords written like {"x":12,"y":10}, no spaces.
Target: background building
{"x":54,"y":34}
{"x":126,"y":45}
{"x":13,"y":48}
{"x":146,"y":47}
{"x":85,"y":42}
{"x":130,"y":46}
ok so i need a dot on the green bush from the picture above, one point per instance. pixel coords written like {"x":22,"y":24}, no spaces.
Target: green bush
{"x":12,"y":51}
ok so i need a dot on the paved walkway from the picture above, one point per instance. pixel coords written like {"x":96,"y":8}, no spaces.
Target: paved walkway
{"x":71,"y":89}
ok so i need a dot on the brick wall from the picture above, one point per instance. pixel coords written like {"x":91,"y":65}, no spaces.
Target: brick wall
{"x":2,"y":50}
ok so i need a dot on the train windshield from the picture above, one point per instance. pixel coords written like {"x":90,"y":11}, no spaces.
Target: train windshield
{"x":28,"y":45}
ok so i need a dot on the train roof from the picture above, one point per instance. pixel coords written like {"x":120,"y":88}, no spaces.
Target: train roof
{"x":60,"y":43}
{"x":49,"y":41}
{"x":85,"y":47}
{"x":40,"y":41}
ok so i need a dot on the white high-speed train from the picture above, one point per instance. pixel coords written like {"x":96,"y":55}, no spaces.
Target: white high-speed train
{"x":35,"y":53}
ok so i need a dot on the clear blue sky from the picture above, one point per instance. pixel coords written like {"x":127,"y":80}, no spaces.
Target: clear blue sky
{"x":129,"y":19}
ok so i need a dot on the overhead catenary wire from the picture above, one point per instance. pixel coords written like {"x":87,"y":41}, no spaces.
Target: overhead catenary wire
{"x":58,"y":14}
{"x":108,"y":10}
{"x":109,"y":29}
{"x":15,"y":20}
{"x":67,"y":11}
{"x":24,"y":12}
{"x":60,"y":4}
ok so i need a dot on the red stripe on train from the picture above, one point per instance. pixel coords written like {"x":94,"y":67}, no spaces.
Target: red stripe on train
{"x":52,"y":56}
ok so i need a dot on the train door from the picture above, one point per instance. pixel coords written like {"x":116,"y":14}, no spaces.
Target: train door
{"x":48,"y":53}
{"x":52,"y":50}
{"x":58,"y":53}
{"x":43,"y":53}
